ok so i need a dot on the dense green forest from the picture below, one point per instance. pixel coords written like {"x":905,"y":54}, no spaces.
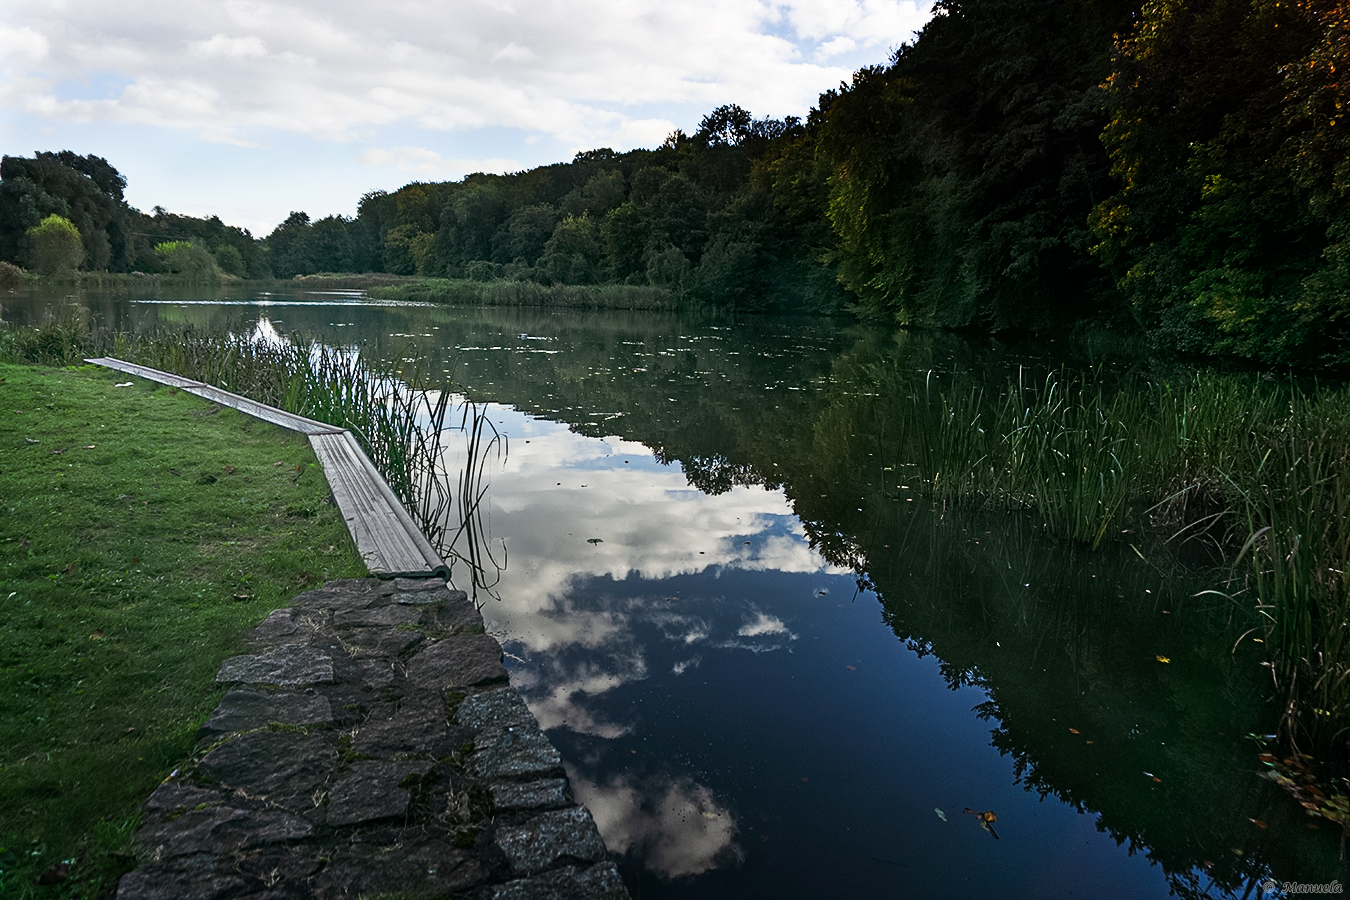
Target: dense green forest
{"x":1181,"y":167}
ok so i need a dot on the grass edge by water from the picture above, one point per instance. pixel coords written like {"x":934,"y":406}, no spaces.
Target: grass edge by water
{"x":123,"y":588}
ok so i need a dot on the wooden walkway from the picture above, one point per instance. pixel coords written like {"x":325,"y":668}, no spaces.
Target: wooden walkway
{"x":386,"y":537}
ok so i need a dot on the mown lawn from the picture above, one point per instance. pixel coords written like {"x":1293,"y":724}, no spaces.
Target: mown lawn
{"x":142,"y":532}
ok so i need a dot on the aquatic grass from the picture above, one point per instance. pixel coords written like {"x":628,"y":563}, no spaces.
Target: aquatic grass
{"x":1256,"y":467}
{"x":502,"y":292}
{"x":399,"y":421}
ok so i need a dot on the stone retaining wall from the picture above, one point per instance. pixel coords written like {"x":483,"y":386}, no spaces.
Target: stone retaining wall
{"x":370,"y":745}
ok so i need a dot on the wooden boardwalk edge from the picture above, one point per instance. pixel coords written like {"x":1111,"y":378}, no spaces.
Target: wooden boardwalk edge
{"x":388,"y":540}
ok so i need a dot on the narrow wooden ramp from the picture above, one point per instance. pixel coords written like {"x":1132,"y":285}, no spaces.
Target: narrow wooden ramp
{"x":388,"y":540}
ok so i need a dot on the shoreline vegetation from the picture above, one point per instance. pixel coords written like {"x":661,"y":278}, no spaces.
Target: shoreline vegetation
{"x":1177,"y":171}
{"x":1248,"y":472}
{"x":235,"y":534}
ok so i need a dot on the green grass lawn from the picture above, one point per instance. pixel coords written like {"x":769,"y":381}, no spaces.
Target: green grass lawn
{"x":143,"y":531}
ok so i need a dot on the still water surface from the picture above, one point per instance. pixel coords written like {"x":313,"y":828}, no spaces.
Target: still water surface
{"x":772,"y":669}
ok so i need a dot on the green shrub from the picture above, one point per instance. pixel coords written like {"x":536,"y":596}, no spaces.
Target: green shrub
{"x":54,"y":246}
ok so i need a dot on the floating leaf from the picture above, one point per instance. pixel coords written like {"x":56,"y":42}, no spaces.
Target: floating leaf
{"x":1073,"y":731}
{"x":1162,"y":659}
{"x":986,"y":820}
{"x":940,"y":814}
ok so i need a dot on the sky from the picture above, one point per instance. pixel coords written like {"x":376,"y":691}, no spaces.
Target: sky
{"x":249,"y":109}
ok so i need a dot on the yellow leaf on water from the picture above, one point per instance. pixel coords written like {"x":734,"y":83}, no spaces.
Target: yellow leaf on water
{"x":1163,"y":659}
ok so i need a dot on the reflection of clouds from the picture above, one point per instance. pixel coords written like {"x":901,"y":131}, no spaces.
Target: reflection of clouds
{"x":558,"y":490}
{"x":569,"y":687}
{"x":555,"y":493}
{"x":763,"y":624}
{"x":675,"y":828}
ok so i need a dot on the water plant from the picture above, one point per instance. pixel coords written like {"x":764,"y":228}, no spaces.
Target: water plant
{"x":1256,"y":469}
{"x":401,"y":422}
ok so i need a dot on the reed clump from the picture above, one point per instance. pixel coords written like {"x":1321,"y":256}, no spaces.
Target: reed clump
{"x":510,"y":292}
{"x":399,"y":422}
{"x":1257,"y":468}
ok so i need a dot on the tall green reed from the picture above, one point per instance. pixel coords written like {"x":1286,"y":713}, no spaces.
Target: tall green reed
{"x":401,"y":423}
{"x":1259,"y":467}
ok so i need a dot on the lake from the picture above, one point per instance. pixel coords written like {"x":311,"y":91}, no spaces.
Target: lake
{"x":773,"y":668}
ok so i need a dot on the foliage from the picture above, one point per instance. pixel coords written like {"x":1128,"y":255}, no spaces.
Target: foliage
{"x":54,"y":246}
{"x":11,"y":276}
{"x":85,"y":190}
{"x":188,"y":260}
{"x":1227,"y":230}
{"x":963,"y":173}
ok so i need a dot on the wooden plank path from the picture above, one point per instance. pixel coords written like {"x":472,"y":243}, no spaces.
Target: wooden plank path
{"x":388,"y":540}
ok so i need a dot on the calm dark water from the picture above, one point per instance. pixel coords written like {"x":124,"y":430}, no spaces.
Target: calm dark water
{"x":773,"y":670}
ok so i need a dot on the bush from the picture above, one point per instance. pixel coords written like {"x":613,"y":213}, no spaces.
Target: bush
{"x":11,"y":277}
{"x":230,"y":260}
{"x":187,"y":259}
{"x":54,"y":246}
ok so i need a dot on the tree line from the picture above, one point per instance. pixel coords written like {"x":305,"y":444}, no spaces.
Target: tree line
{"x":1175,"y":166}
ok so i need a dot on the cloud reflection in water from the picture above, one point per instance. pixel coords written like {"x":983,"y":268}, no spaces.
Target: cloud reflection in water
{"x":676,"y":827}
{"x":587,"y":617}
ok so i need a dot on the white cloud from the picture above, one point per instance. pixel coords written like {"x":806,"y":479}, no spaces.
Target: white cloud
{"x":19,"y":43}
{"x":335,"y":70}
{"x":429,"y":164}
{"x":763,"y":624}
{"x":220,"y":45}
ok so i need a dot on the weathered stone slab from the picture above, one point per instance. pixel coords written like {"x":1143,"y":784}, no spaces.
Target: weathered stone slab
{"x":288,"y":665}
{"x":417,"y":868}
{"x":502,"y":708}
{"x":422,"y":599}
{"x":220,"y":831}
{"x":543,"y":794}
{"x":372,"y":790}
{"x":458,"y":661}
{"x":243,"y":709}
{"x":279,"y":626}
{"x":381,"y":615}
{"x":460,"y":616}
{"x":376,"y":674}
{"x":373,"y":643}
{"x":417,"y":585}
{"x":600,"y":880}
{"x":418,"y":726}
{"x":551,"y":838}
{"x":200,"y":876}
{"x":340,"y":594}
{"x":517,"y":753}
{"x":285,"y":769}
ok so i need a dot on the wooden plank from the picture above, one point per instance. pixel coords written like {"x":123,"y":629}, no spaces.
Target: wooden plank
{"x":385,"y":535}
{"x":221,"y":396}
{"x":146,"y":372}
{"x":262,"y":410}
